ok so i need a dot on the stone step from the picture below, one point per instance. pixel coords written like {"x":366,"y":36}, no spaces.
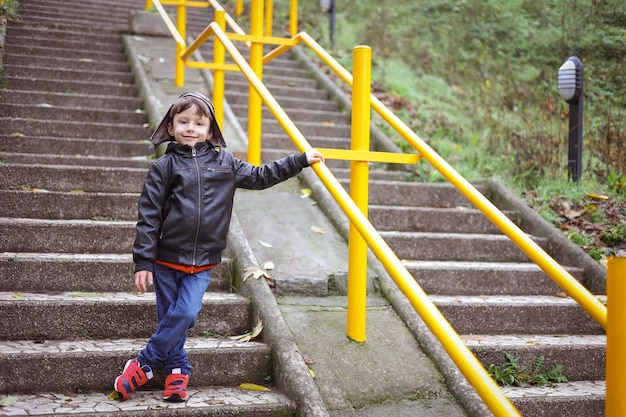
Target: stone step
{"x":54,"y":62}
{"x":54,"y":205}
{"x":75,"y":272}
{"x":65,"y":40}
{"x":90,"y":160}
{"x":484,"y":278}
{"x":70,"y":87}
{"x":277,"y":91}
{"x":20,"y":30}
{"x":46,"y":111}
{"x":306,"y":128}
{"x":428,"y":219}
{"x":97,"y":315}
{"x":66,"y":74}
{"x":36,"y":51}
{"x":61,"y":19}
{"x":240,"y":98}
{"x":71,"y":100}
{"x":579,"y":398}
{"x":208,"y":401}
{"x":282,"y":141}
{"x":582,"y":356}
{"x":73,"y":129}
{"x":74,"y":146}
{"x":77,"y":366}
{"x":72,"y":178}
{"x":65,"y":236}
{"x":299,"y":116}
{"x":270,"y":80}
{"x":536,"y":314}
{"x":398,"y":193}
{"x":377,"y":172}
{"x":427,"y":246}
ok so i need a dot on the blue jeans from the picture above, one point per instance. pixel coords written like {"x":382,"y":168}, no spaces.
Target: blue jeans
{"x":178,"y":303}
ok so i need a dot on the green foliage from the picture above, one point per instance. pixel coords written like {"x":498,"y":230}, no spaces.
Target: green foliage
{"x":9,"y":10}
{"x":513,"y":374}
{"x":494,"y":72}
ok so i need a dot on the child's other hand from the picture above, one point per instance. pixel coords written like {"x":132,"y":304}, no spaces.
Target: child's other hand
{"x":141,"y":279}
{"x":313,"y":156}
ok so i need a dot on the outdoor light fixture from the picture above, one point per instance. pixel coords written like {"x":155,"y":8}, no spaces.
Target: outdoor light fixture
{"x":570,"y":84}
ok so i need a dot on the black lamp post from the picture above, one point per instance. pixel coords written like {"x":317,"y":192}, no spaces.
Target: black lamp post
{"x":570,"y":83}
{"x":328,"y":6}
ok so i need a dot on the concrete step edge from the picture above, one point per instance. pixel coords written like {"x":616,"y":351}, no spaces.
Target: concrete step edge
{"x":202,"y":401}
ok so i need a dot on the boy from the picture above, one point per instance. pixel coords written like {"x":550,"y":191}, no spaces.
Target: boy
{"x":184,"y":215}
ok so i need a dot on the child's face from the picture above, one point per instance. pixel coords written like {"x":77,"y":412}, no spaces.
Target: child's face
{"x":190,"y":127}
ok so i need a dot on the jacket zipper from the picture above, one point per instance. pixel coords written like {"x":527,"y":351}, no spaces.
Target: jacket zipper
{"x":198,"y":204}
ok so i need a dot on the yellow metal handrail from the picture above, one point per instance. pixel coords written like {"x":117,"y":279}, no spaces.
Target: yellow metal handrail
{"x":452,"y":343}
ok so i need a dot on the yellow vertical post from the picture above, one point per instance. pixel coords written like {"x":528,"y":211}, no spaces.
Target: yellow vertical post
{"x":148,"y":4}
{"x":293,"y":17}
{"x":181,"y":25}
{"x":359,"y":177}
{"x":615,"y":401}
{"x":269,"y":17}
{"x":239,"y":8}
{"x":254,"y":99}
{"x":219,"y":57}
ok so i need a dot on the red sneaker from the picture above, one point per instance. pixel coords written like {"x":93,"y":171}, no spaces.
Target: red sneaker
{"x":175,"y":386}
{"x":133,"y":376}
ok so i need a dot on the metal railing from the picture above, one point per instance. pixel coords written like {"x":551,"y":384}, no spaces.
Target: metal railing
{"x":456,"y":348}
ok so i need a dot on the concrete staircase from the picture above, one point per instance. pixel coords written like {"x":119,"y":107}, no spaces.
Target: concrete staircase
{"x":73,"y":158}
{"x":485,"y":286}
{"x":78,"y":194}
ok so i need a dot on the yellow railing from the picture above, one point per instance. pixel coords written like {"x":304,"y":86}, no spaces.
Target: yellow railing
{"x":450,"y":340}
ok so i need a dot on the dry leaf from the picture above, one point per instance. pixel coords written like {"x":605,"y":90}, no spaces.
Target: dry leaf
{"x":306,"y":192}
{"x":597,"y":196}
{"x":8,"y":401}
{"x":216,"y":402}
{"x":560,"y":294}
{"x":252,"y":387}
{"x":246,"y":337}
{"x":307,"y":359}
{"x":318,"y":230}
{"x":114,"y":395}
{"x":311,"y":372}
{"x":256,"y":272}
{"x":61,"y":397}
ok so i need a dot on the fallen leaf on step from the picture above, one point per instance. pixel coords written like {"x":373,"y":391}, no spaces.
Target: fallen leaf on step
{"x":268,"y":266}
{"x":246,"y":386}
{"x":246,"y":337}
{"x":307,"y":359}
{"x":311,"y":372}
{"x":306,"y":192}
{"x":318,"y":230}
{"x":256,"y":272}
{"x":560,"y":294}
{"x":17,"y":134}
{"x":216,"y":402}
{"x":17,"y":296}
{"x":265,"y":244}
{"x":61,"y":397}
{"x":8,"y":401}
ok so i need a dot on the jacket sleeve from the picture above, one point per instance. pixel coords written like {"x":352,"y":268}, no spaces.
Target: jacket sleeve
{"x":253,"y":177}
{"x":151,"y":210}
